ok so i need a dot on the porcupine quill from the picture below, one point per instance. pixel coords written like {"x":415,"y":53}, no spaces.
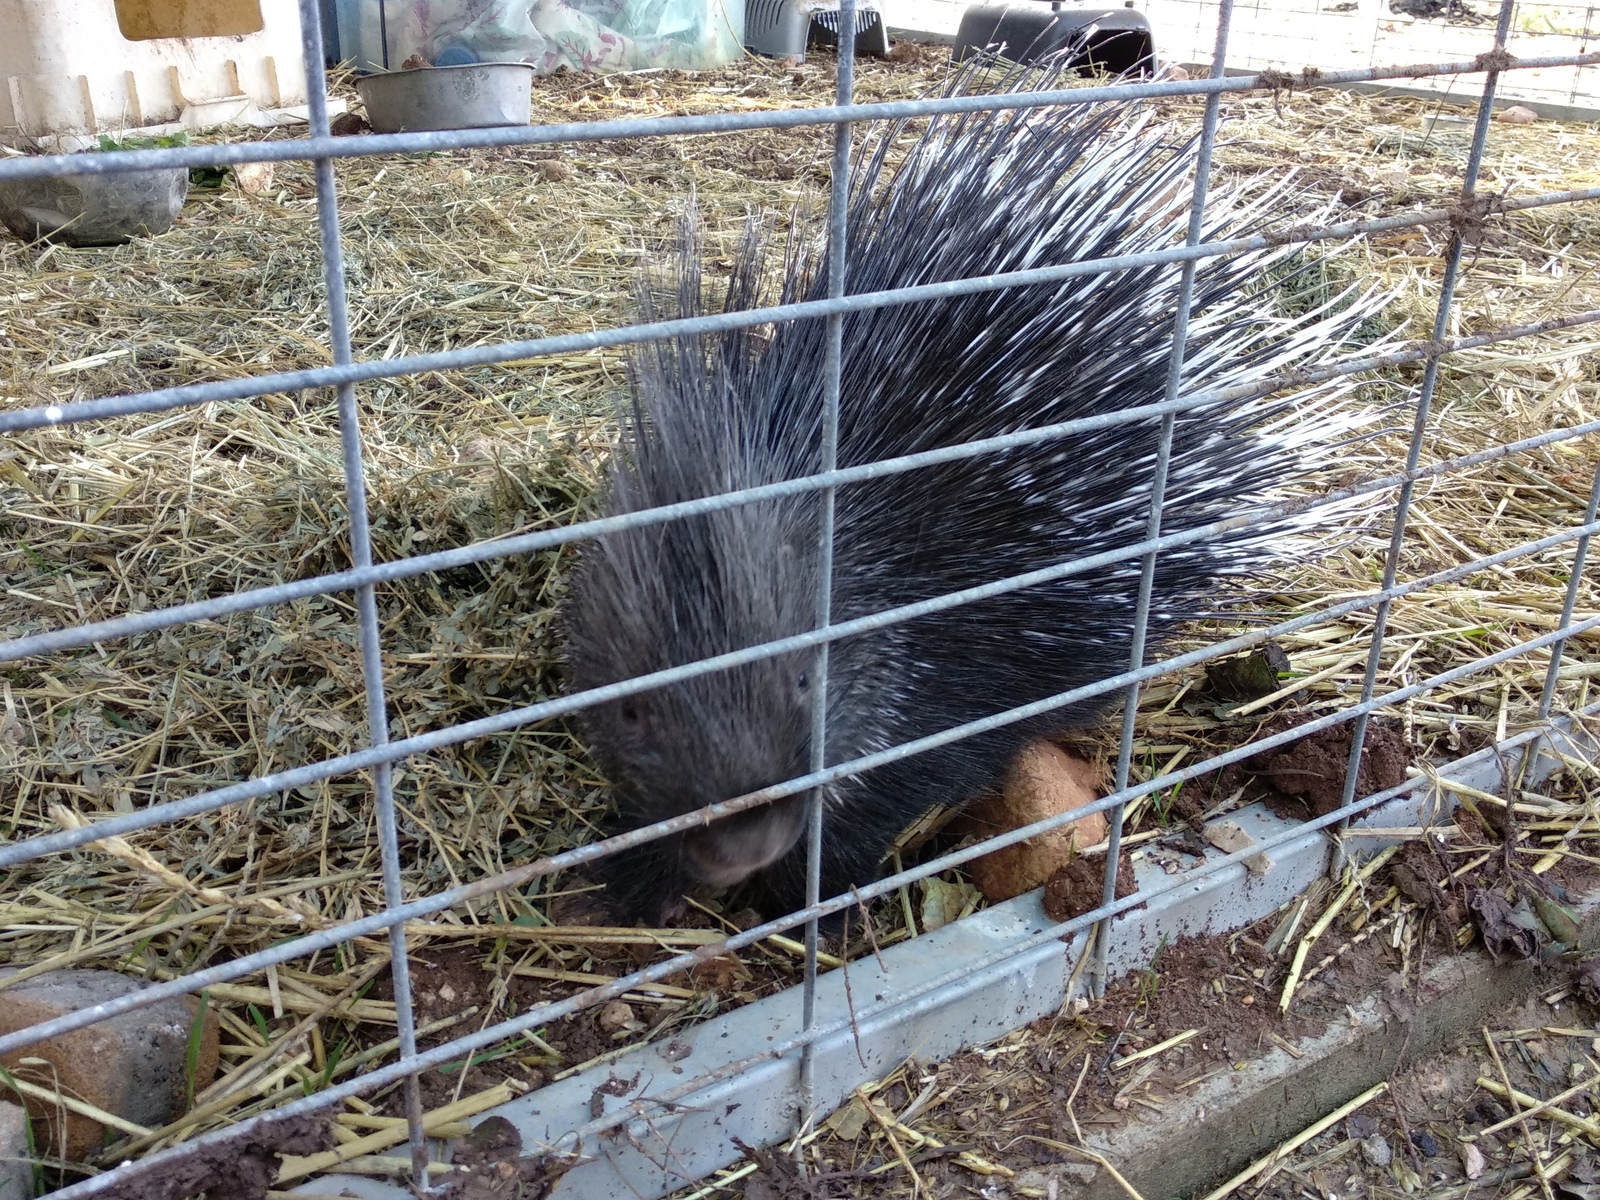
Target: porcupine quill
{"x":977,"y":194}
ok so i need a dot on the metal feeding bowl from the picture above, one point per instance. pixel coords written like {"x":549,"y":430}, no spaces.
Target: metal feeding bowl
{"x":476,"y":96}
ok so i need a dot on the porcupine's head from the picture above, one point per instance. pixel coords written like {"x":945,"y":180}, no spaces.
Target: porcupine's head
{"x":675,"y":592}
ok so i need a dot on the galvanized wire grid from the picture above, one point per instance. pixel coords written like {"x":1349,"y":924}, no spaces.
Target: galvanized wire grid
{"x":363,"y":577}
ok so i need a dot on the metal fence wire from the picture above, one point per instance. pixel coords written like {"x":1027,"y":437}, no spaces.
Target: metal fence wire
{"x":1472,"y":210}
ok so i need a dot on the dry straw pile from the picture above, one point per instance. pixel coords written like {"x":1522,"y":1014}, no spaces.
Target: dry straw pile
{"x":470,"y":248}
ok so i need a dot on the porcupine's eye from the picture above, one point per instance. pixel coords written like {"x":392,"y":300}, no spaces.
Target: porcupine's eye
{"x":803,"y":683}
{"x":630,"y":712}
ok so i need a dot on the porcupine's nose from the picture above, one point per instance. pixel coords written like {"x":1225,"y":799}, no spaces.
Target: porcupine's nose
{"x":731,"y":850}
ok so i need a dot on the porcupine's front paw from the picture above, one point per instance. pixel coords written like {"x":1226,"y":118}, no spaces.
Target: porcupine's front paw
{"x":782,"y":889}
{"x":645,"y":885}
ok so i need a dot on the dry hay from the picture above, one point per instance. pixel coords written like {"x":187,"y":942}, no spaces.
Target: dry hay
{"x":476,"y":247}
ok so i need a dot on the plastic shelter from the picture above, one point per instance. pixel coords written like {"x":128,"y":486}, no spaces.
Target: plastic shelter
{"x":78,"y":68}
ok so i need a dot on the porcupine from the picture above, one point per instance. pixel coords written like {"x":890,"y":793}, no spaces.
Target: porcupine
{"x":975,"y":195}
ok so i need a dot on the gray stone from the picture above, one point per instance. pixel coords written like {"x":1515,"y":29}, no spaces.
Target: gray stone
{"x":16,"y":1169}
{"x":134,"y":1064}
{"x":94,"y":210}
{"x":1375,"y":1150}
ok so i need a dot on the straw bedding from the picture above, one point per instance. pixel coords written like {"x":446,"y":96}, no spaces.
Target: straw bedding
{"x":476,"y":247}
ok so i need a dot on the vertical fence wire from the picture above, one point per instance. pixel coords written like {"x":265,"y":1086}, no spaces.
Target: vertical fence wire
{"x":1419,"y":429}
{"x":833,"y":367}
{"x":1579,"y":556}
{"x":361,"y":556}
{"x":1158,"y":487}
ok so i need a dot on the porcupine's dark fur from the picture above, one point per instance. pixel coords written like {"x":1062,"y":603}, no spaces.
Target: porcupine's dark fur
{"x":978,"y":194}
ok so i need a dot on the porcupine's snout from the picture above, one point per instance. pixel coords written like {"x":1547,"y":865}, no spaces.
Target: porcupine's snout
{"x":677,"y":749}
{"x":731,"y":850}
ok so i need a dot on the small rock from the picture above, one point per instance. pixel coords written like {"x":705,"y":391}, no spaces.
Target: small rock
{"x":135,"y":1064}
{"x":1586,"y":979}
{"x":1059,"y":1179}
{"x":16,"y":1175}
{"x":1471,"y":1159}
{"x":1518,"y":114}
{"x":1375,"y":1150}
{"x":1362,"y":1126}
{"x":253,"y":179}
{"x":1229,"y":837}
{"x":1488,"y":1111}
{"x":617,"y":1015}
{"x":555,"y":170}
{"x":1045,"y":781}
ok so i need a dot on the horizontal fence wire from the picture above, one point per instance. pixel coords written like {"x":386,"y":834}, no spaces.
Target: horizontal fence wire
{"x":365,"y":576}
{"x":366,"y":370}
{"x":470,"y":1043}
{"x":588,"y":853}
{"x":544,"y":710}
{"x":368,"y":146}
{"x":85,"y":634}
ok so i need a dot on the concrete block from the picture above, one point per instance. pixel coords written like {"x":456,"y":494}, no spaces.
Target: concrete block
{"x":1230,"y":1120}
{"x":16,"y":1168}
{"x":134,"y":1065}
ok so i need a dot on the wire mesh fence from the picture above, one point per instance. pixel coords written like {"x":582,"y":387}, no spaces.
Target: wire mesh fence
{"x":1558,"y":549}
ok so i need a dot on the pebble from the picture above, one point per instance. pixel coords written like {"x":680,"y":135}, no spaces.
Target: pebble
{"x":1362,"y":1126}
{"x":616,"y":1015}
{"x":1048,"y":1181}
{"x":1375,"y":1150}
{"x":253,"y":179}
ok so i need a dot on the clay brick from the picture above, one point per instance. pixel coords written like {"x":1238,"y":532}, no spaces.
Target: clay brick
{"x":16,"y":1172}
{"x":135,"y":1065}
